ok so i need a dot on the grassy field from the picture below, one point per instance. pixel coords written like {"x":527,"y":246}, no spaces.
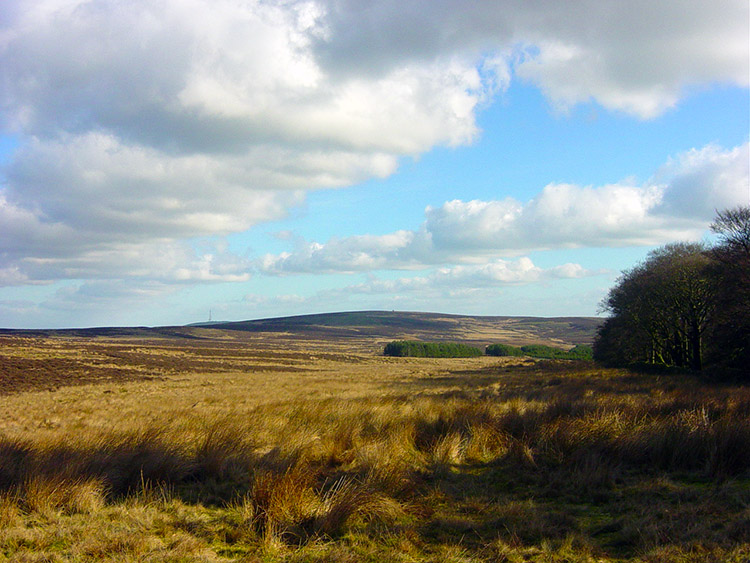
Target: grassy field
{"x":221,"y":447}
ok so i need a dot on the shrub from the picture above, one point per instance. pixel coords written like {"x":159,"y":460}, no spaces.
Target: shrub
{"x":541,"y":351}
{"x":502,"y":350}
{"x":411,"y":348}
{"x":549,"y":353}
{"x":580,"y":352}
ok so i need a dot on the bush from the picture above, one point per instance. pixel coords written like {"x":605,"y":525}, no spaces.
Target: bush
{"x":502,"y":350}
{"x":549,"y":353}
{"x":580,"y":352}
{"x":411,"y":348}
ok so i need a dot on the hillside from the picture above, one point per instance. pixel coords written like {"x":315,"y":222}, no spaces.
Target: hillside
{"x":392,"y":325}
{"x":368,"y":328}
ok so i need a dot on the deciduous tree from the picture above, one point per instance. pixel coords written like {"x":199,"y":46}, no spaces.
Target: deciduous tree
{"x":661,"y":309}
{"x":731,"y":334}
{"x":685,"y":303}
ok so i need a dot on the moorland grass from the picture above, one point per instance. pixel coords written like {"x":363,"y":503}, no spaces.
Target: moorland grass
{"x":552,"y":462}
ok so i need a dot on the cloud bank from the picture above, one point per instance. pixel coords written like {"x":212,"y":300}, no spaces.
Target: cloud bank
{"x":677,"y":203}
{"x":144,"y":125}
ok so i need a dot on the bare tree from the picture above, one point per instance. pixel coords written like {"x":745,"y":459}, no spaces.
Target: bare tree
{"x":733,"y":228}
{"x":731,"y":334}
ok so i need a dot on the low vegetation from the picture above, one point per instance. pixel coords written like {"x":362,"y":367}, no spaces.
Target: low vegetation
{"x":580,"y":352}
{"x":486,"y":460}
{"x":414,"y":349}
{"x":503,"y":350}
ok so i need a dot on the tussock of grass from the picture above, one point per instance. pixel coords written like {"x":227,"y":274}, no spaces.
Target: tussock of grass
{"x":45,"y":495}
{"x":553,"y":472}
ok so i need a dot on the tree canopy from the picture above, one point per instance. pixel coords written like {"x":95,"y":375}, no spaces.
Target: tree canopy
{"x":686,"y":304}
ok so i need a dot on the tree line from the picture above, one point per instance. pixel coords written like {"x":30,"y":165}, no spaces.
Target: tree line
{"x":687,"y":305}
{"x":417,"y":349}
{"x":580,"y":352}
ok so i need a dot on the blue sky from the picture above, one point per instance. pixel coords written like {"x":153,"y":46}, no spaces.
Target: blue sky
{"x":162,"y":159}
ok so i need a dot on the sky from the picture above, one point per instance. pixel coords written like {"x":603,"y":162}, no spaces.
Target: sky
{"x":166,"y":160}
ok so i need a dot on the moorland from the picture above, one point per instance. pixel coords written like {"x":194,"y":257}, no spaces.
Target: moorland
{"x":297,"y":440}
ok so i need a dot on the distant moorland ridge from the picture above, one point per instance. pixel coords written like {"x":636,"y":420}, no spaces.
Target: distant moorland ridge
{"x":564,"y":331}
{"x":367,"y":325}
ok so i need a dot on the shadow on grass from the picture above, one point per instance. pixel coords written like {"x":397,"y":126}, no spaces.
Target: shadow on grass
{"x":623,"y":463}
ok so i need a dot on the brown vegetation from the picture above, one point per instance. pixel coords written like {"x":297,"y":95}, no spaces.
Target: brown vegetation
{"x":336,"y":456}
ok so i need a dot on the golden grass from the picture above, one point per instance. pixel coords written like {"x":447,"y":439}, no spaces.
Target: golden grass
{"x":350,"y":457}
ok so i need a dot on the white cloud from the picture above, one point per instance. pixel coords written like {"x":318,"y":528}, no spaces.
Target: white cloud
{"x":107,"y":295}
{"x":96,"y":184}
{"x":458,"y":225}
{"x":701,"y":181}
{"x":349,"y":254}
{"x":91,"y":303}
{"x":637,"y":56}
{"x":462,"y":288}
{"x":492,"y":275}
{"x":12,"y":276}
{"x":146,"y":123}
{"x":677,"y":203}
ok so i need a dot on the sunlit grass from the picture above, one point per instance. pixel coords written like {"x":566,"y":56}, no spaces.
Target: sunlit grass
{"x":478,"y":461}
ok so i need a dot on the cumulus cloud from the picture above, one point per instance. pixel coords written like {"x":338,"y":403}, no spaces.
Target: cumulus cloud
{"x":92,"y":296}
{"x":146,"y":123}
{"x":637,"y":57}
{"x":677,"y":203}
{"x":700,"y":181}
{"x":455,"y":288}
{"x":462,"y":284}
{"x":348,"y":254}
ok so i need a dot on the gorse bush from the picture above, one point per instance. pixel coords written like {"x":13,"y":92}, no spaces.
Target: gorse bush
{"x":411,"y":348}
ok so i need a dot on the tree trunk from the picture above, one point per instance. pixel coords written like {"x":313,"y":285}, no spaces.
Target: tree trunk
{"x":696,"y":361}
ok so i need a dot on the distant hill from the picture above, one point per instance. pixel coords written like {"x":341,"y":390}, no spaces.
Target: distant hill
{"x":477,"y":330}
{"x":366,"y":327}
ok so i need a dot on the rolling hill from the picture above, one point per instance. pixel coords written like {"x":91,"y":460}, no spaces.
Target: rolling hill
{"x":366,"y":327}
{"x":394,"y":325}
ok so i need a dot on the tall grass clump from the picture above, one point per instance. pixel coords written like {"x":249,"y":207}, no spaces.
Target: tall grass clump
{"x":554,"y":462}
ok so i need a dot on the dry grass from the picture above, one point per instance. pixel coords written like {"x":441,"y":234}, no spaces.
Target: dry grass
{"x":362,"y":458}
